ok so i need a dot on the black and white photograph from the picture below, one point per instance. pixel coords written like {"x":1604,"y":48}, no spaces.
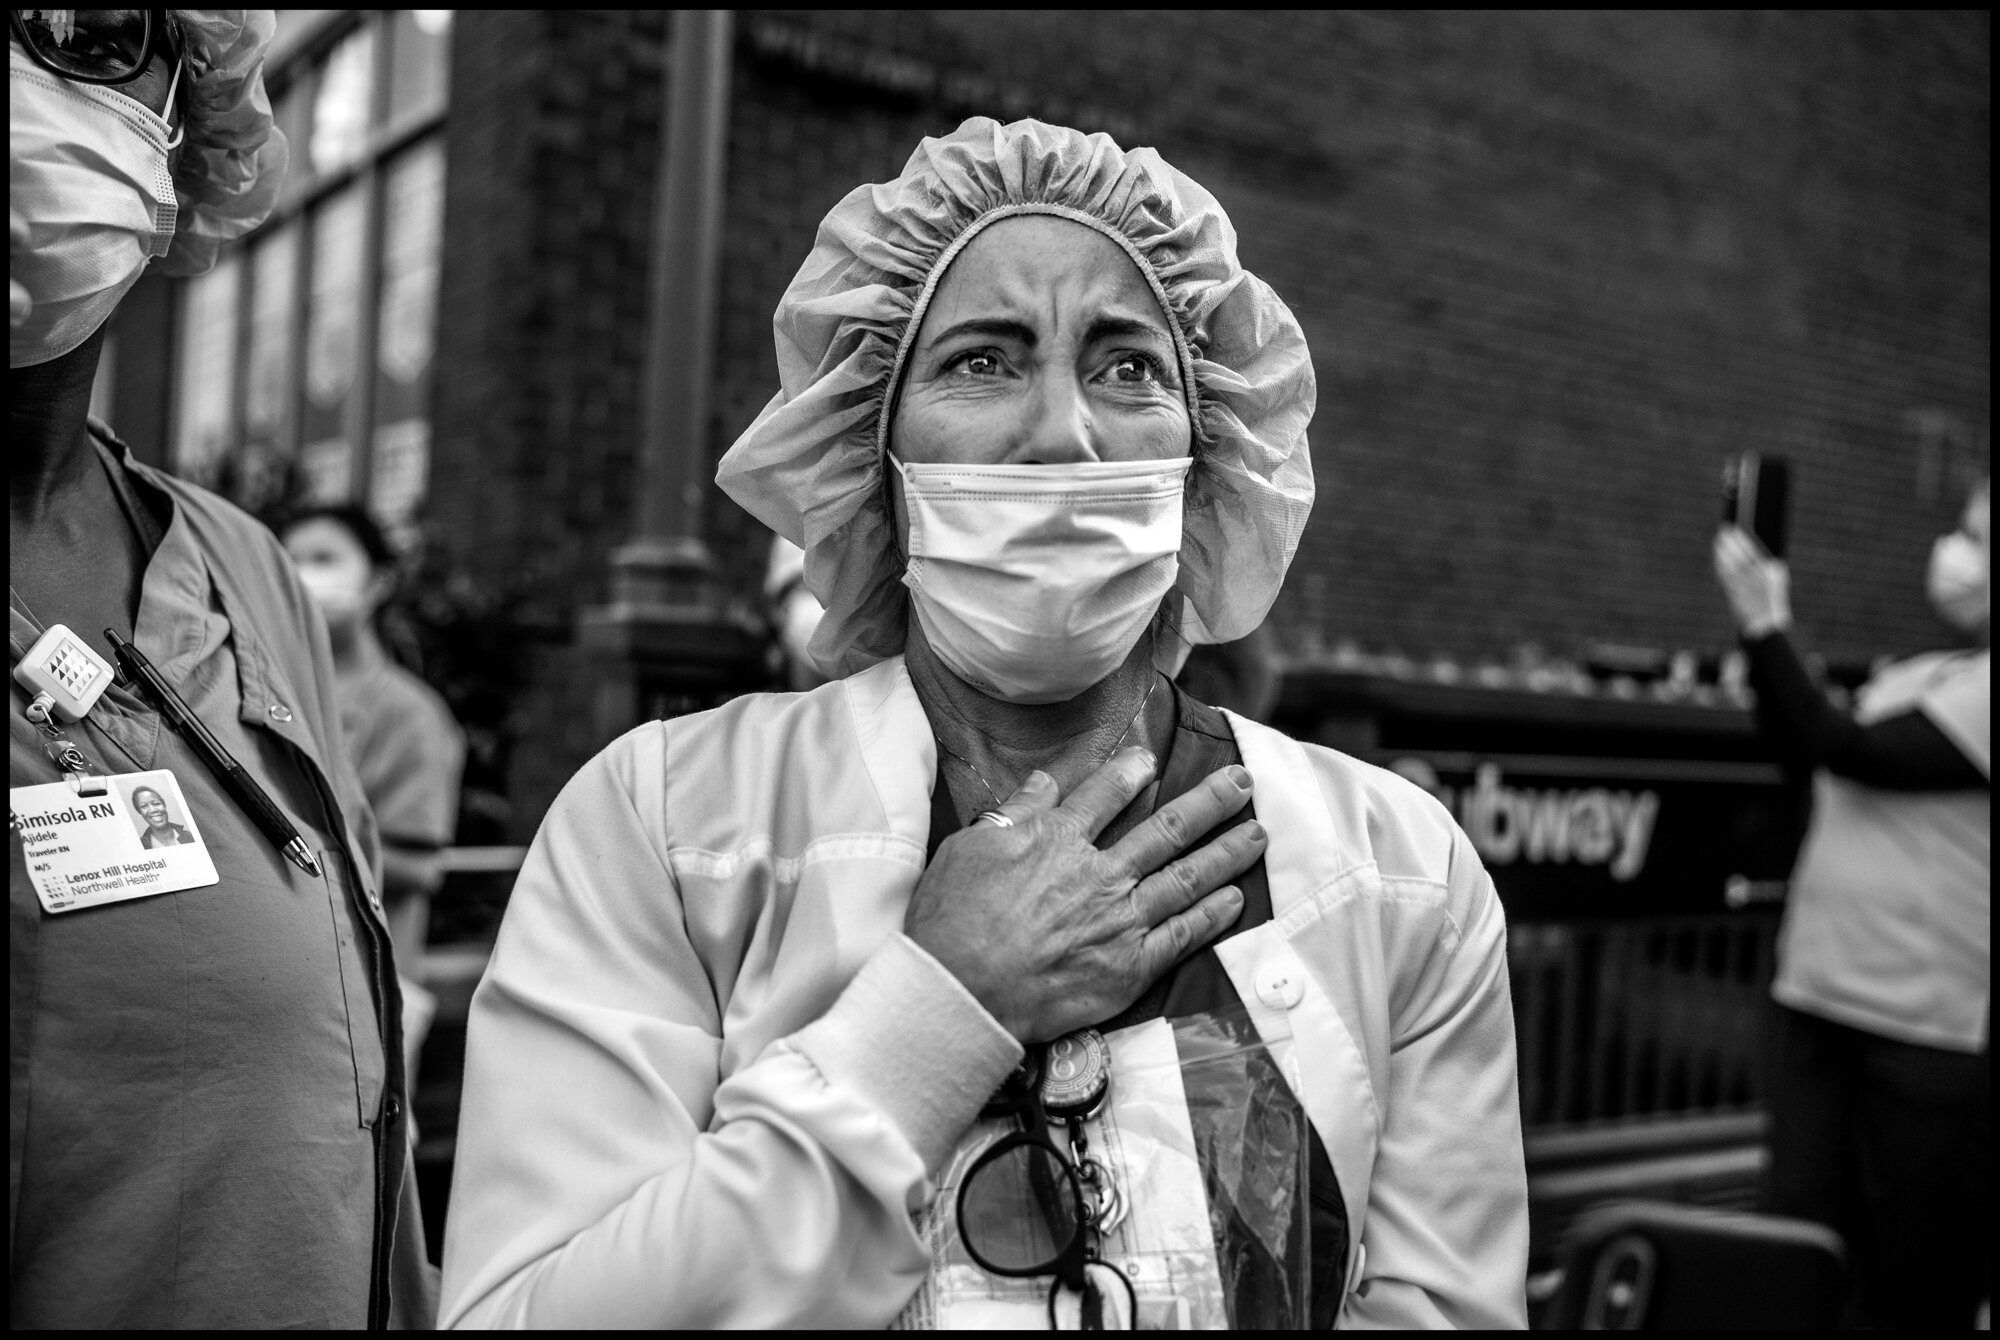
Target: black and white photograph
{"x":1002,"y":669}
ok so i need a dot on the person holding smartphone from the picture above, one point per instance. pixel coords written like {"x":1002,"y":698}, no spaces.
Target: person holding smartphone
{"x":1881,"y":1105}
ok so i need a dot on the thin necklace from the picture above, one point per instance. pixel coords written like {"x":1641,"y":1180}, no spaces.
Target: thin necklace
{"x":995,"y":795}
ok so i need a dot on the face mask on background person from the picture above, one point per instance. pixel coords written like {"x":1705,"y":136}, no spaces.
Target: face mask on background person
{"x":1958,"y":582}
{"x":340,"y":590}
{"x":338,"y":570}
{"x":88,"y":174}
{"x":1033,"y":582}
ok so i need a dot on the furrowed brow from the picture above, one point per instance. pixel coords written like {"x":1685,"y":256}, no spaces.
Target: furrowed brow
{"x":1114,"y":327}
{"x":999,"y":327}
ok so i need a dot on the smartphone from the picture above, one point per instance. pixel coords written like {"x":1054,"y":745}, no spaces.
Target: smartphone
{"x":1756,"y":495}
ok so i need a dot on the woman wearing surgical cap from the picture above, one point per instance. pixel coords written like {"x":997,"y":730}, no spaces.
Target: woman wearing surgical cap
{"x":1882,"y":1094}
{"x":207,"y":1098}
{"x":756,"y":1012}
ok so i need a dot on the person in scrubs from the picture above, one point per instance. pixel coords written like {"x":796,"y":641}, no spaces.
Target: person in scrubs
{"x":1881,"y":1105}
{"x":400,"y":735}
{"x":224,"y":1059}
{"x":765,"y":966}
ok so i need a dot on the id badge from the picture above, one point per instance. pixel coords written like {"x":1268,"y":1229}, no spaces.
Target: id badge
{"x":137,"y":839}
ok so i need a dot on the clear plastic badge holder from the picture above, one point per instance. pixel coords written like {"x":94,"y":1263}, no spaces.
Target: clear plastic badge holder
{"x":1209,"y":1150}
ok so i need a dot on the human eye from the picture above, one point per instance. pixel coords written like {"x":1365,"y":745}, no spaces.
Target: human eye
{"x":976,"y":363}
{"x":1136,"y":367}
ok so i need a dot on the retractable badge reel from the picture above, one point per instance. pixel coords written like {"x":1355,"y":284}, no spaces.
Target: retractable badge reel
{"x":1034,"y":1203}
{"x":65,"y":678}
{"x":1076,"y":1079}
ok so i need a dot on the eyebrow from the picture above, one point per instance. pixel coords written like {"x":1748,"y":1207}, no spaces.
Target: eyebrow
{"x":1001,"y":327}
{"x":1110,"y":327}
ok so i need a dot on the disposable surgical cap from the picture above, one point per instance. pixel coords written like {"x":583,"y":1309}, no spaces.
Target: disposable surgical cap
{"x":811,"y":466}
{"x":234,"y":158}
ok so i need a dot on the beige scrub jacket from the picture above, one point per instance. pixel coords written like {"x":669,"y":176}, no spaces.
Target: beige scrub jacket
{"x":709,"y":1079}
{"x":207,"y":1121}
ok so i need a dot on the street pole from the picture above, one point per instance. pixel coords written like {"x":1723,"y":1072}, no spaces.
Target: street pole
{"x":668,"y":631}
{"x":680,"y":316}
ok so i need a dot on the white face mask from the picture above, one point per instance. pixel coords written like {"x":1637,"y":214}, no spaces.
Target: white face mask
{"x":88,"y":171}
{"x":1033,"y":582}
{"x":340,"y":594}
{"x":1958,"y":582}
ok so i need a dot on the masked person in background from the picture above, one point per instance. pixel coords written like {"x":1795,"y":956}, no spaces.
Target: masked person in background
{"x":205,"y":1082}
{"x":765,"y":965}
{"x":1881,"y":1104}
{"x":400,"y":736}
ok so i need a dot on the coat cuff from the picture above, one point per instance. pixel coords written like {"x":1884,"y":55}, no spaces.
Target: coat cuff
{"x":910,"y":1038}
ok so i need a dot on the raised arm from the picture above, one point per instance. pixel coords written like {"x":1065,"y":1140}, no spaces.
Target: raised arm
{"x":1905,"y":751}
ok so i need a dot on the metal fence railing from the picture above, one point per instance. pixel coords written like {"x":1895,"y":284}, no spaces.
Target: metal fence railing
{"x":1646,"y":1018}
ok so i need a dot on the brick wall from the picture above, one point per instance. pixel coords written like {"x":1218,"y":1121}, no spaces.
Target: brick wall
{"x":552,"y":142}
{"x":1553,"y":268}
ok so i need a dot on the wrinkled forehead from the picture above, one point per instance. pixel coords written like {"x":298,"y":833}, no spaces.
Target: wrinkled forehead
{"x":1049,"y":240}
{"x":1035,"y":266}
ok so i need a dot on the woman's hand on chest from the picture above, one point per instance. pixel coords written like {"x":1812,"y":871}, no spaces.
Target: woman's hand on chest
{"x":1051,"y":934}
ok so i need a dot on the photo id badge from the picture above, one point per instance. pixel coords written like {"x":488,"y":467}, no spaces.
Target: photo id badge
{"x":137,"y":839}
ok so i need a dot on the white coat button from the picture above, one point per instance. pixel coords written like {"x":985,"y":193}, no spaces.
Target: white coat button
{"x":1280,"y":983}
{"x":280,"y":712}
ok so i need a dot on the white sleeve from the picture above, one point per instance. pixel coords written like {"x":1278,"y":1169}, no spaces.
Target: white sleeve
{"x":1962,"y":707}
{"x":1447,"y":1230}
{"x":608,"y":1176}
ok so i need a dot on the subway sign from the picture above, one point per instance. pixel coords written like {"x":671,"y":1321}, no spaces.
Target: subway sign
{"x":1595,"y":837}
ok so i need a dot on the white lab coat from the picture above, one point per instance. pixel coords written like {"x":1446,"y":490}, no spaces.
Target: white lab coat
{"x":708,"y":1080}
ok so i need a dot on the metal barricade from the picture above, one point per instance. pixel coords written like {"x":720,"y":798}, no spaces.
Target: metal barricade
{"x":1641,"y":1048}
{"x":1642,"y":1018}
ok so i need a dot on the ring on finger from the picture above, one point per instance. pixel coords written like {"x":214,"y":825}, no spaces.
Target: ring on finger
{"x":994,"y":817}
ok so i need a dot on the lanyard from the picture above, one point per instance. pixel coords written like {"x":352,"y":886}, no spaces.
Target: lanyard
{"x":58,"y":663}
{"x":61,"y":750}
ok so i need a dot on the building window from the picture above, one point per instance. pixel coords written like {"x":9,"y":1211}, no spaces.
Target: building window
{"x":406,"y":332}
{"x":269,"y":413}
{"x":302,"y":363}
{"x":207,"y":339}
